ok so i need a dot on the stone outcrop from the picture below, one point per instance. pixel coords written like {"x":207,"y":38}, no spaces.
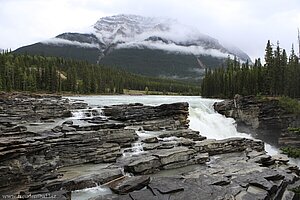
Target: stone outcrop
{"x":263,"y":117}
{"x":176,"y":157}
{"x":242,"y":179}
{"x":46,"y":156}
{"x":165,"y":116}
{"x":31,"y":107}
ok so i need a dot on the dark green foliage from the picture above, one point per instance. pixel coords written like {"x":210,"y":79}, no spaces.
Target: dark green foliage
{"x":151,"y":62}
{"x":148,"y":62}
{"x":65,"y":51}
{"x":296,"y":190}
{"x":290,"y":105}
{"x":279,"y":76}
{"x":291,"y":151}
{"x":293,"y":129}
{"x":51,"y":74}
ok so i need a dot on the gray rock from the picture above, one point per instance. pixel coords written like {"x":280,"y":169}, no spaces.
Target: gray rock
{"x":174,"y":155}
{"x":150,"y":140}
{"x":129,"y":184}
{"x":66,"y":128}
{"x":68,"y":122}
{"x":281,"y":158}
{"x":144,"y":165}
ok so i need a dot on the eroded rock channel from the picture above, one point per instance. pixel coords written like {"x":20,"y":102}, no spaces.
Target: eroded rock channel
{"x":136,"y":151}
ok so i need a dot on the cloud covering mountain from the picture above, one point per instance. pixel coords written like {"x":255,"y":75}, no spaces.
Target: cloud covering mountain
{"x":123,"y":41}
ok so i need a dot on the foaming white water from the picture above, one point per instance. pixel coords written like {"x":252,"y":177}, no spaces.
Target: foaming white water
{"x":213,"y":125}
{"x":136,"y":149}
{"x":86,"y":113}
{"x":90,"y":192}
{"x":202,"y":117}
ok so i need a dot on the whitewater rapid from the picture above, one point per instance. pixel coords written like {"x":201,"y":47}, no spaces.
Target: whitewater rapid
{"x":202,"y":116}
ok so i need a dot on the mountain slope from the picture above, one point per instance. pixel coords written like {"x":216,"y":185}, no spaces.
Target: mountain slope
{"x":144,"y":45}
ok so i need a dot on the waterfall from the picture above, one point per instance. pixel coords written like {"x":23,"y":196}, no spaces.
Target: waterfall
{"x":202,"y":118}
{"x":213,"y":125}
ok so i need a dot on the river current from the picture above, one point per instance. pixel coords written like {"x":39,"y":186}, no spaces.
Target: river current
{"x":202,"y":118}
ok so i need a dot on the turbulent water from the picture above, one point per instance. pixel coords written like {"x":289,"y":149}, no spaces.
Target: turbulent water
{"x":202,"y":117}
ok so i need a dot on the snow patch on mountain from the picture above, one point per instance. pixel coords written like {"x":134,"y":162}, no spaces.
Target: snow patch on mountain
{"x":133,"y":31}
{"x":132,"y":27}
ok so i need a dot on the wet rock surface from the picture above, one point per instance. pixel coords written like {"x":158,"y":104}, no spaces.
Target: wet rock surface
{"x":265,"y":118}
{"x":138,"y":151}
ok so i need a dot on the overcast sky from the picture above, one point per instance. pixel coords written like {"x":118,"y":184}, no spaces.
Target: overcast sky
{"x":247,"y":24}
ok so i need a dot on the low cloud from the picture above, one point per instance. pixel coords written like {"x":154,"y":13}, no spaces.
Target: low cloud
{"x":196,"y":50}
{"x":59,"y":41}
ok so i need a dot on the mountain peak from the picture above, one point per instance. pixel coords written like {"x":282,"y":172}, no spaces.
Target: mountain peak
{"x":145,"y":45}
{"x":126,"y":27}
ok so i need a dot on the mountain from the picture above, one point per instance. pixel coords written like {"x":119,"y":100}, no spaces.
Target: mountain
{"x":148,"y":46}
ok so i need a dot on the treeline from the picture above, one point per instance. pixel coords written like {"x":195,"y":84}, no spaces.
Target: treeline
{"x":280,"y":75}
{"x":51,"y":74}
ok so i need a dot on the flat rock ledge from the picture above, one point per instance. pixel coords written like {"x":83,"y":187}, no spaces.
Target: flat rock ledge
{"x":138,"y":151}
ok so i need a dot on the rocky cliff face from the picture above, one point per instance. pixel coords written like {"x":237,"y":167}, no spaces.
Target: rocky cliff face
{"x":165,"y":158}
{"x":265,"y":118}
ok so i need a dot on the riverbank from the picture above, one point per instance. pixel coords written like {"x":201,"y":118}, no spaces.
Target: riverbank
{"x":274,"y":120}
{"x":153,"y":143}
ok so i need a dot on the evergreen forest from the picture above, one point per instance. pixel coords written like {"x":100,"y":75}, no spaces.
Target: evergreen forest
{"x":279,"y":76}
{"x":36,"y":73}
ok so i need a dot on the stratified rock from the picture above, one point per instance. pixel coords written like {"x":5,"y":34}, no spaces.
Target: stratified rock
{"x":230,"y":145}
{"x":86,"y":181}
{"x":263,"y":116}
{"x":129,"y":184}
{"x":186,"y":133}
{"x":66,"y":128}
{"x":150,"y":140}
{"x":37,"y":161}
{"x":174,"y":155}
{"x":281,"y":158}
{"x":145,"y":165}
{"x":175,"y":113}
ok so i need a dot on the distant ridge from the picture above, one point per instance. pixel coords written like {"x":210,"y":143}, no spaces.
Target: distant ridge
{"x":159,"y":47}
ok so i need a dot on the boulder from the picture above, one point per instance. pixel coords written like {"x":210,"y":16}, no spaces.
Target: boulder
{"x":150,"y":140}
{"x":144,"y":165}
{"x":129,"y":184}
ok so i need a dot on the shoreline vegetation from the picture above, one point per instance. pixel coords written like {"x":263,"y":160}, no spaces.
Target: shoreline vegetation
{"x":58,"y":75}
{"x":279,"y":76}
{"x":125,"y":92}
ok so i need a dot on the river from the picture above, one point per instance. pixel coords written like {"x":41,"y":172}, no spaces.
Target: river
{"x":202,"y":118}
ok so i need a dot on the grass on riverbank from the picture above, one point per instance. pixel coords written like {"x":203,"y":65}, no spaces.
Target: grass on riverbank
{"x":143,"y":92}
{"x":291,"y":151}
{"x":289,"y":104}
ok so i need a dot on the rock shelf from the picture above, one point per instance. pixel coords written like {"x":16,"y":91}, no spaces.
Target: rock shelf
{"x":138,"y":151}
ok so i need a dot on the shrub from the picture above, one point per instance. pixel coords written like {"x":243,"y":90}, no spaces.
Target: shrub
{"x":290,"y":105}
{"x":291,"y":151}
